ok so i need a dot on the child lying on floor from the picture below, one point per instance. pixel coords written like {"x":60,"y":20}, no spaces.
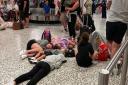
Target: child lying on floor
{"x":66,"y":45}
{"x":40,"y":70}
{"x":64,"y":42}
{"x":35,"y":49}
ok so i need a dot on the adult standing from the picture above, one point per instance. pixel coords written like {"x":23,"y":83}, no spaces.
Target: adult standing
{"x":24,"y":12}
{"x":88,"y":6}
{"x":116,"y":24}
{"x":103,"y":9}
{"x":13,"y":10}
{"x":73,"y":9}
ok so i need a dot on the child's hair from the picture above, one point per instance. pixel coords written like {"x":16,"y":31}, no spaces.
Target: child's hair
{"x":49,"y":46}
{"x":29,"y":44}
{"x":57,"y":46}
{"x":98,"y":39}
{"x":84,"y":38}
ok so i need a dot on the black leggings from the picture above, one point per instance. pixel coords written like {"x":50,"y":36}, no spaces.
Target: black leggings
{"x":71,"y":26}
{"x":39,"y":71}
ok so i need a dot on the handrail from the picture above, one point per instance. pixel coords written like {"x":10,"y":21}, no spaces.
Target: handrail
{"x":116,"y":57}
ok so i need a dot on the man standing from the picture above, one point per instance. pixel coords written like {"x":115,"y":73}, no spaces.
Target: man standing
{"x":24,"y":12}
{"x":116,"y":24}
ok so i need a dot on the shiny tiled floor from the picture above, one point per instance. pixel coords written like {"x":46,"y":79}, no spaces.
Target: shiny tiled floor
{"x":11,"y":66}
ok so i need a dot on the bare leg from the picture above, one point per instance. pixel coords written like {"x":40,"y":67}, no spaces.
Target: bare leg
{"x":40,"y":57}
{"x":115,"y":47}
{"x":95,"y":55}
{"x":109,"y":44}
{"x":27,"y":22}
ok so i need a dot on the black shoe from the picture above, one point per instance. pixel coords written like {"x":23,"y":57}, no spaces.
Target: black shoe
{"x":66,"y":30}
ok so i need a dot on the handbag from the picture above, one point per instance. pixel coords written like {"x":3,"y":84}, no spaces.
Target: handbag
{"x":17,"y":25}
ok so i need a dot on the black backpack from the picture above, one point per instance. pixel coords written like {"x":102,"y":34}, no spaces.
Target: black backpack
{"x":70,"y":53}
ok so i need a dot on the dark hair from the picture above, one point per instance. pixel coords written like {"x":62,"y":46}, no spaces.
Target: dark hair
{"x":83,"y":38}
{"x":56,"y":46}
{"x":29,"y":44}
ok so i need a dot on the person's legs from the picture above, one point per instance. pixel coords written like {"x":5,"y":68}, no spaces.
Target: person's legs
{"x":63,"y":19}
{"x":22,"y":16}
{"x":26,"y":15}
{"x":28,"y":75}
{"x":114,"y":48}
{"x":27,"y":22}
{"x":114,"y":34}
{"x":45,"y":69}
{"x":71,"y":26}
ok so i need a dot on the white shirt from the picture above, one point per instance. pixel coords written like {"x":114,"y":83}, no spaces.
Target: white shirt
{"x":12,"y":6}
{"x":118,"y":11}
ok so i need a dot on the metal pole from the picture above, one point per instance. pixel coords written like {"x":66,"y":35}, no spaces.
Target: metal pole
{"x":103,"y":77}
{"x":117,"y":55}
{"x":125,"y":64}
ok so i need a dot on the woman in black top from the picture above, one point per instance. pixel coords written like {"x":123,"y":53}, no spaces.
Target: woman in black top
{"x":85,"y":51}
{"x":74,"y":7}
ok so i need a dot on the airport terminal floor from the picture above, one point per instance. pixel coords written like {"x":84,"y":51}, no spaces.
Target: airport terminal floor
{"x":11,"y":65}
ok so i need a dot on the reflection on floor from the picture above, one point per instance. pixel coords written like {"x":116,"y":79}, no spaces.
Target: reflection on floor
{"x":11,"y":66}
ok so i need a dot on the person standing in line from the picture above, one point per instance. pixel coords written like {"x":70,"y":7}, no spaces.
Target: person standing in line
{"x":13,"y":10}
{"x":88,"y":6}
{"x":24,"y":12}
{"x":73,"y":9}
{"x":116,"y":25}
{"x":103,"y":9}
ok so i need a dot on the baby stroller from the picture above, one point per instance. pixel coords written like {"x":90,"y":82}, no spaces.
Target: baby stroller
{"x":87,"y":25}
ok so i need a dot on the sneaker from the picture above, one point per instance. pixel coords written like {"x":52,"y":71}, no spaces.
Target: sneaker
{"x":22,"y":52}
{"x":119,"y":65}
{"x":66,"y":30}
{"x":32,"y":58}
{"x":33,"y":61}
{"x":11,"y":82}
{"x":23,"y":57}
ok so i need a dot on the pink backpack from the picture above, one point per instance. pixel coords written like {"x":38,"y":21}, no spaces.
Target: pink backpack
{"x":46,"y":35}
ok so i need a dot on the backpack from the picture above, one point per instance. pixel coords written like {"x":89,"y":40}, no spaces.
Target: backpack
{"x":70,"y":53}
{"x":46,"y":35}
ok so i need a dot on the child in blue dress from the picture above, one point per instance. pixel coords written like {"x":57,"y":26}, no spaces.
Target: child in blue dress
{"x":46,"y":8}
